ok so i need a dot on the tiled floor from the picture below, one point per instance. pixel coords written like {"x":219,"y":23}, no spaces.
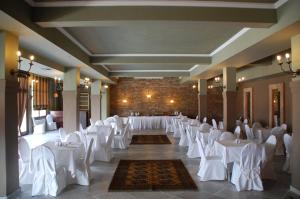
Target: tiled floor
{"x":103,"y":172}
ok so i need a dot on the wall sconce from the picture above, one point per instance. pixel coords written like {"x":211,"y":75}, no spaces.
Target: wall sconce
{"x":105,"y":86}
{"x":148,"y":96}
{"x":124,"y":101}
{"x":210,"y":87}
{"x":288,"y":61}
{"x":194,"y":86}
{"x":172,"y":101}
{"x":87,"y":82}
{"x":241,"y":79}
{"x":22,"y":73}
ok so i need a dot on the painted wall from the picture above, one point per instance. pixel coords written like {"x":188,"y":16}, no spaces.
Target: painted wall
{"x":161,"y":91}
{"x":261,"y":97}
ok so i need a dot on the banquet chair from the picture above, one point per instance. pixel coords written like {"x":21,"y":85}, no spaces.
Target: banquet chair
{"x":169,"y":128}
{"x":213,"y":136}
{"x":221,"y":125}
{"x":211,"y":167}
{"x":237,"y":132}
{"x":39,"y":126}
{"x":193,"y":151}
{"x":249,"y":132}
{"x":102,"y":148}
{"x":83,"y":139}
{"x":99,"y":123}
{"x":278,"y":132}
{"x":227,"y":136}
{"x":175,"y":128}
{"x":204,"y":120}
{"x":205,"y":127}
{"x":62,"y":134}
{"x":121,"y":141}
{"x":245,"y":121}
{"x":83,"y":171}
{"x":51,"y":126}
{"x":92,"y":123}
{"x":214,"y":123}
{"x":246,"y":173}
{"x":183,"y":137}
{"x":287,"y":139}
{"x":267,"y":167}
{"x":48,"y":178}
{"x":25,"y":176}
{"x":72,"y":138}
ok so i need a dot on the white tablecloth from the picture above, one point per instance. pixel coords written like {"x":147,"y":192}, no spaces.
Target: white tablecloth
{"x":148,"y":122}
{"x":230,"y":151}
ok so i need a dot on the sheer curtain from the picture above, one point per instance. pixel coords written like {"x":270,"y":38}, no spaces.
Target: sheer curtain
{"x":22,"y":98}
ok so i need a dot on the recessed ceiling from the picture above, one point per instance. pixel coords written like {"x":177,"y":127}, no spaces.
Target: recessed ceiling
{"x":155,"y":37}
{"x":150,"y":67}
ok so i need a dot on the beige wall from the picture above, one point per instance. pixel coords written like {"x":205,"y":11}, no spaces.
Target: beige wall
{"x":162,"y":91}
{"x":261,"y":97}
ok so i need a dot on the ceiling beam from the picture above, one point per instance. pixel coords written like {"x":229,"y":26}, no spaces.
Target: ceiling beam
{"x":116,"y":60}
{"x":149,"y":74}
{"x":99,"y":15}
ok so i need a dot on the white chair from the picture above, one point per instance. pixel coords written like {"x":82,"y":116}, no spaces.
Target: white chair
{"x":211,"y":167}
{"x":72,"y":138}
{"x":193,"y":151}
{"x":62,"y":134}
{"x":287,"y":139}
{"x":175,"y":128}
{"x":237,"y":132}
{"x":169,"y":128}
{"x":51,"y":126}
{"x":121,"y":141}
{"x":267,"y":167}
{"x":246,"y":173}
{"x":204,"y":120}
{"x":25,"y":175}
{"x":48,"y":179}
{"x":92,"y":123}
{"x":183,"y":137}
{"x":39,"y":126}
{"x":226,"y":136}
{"x":214,"y":123}
{"x":102,"y":149}
{"x":221,"y":125}
{"x":278,"y":132}
{"x":205,"y":127}
{"x":99,"y":123}
{"x":245,"y":121}
{"x":249,"y":132}
{"x":83,"y":171}
{"x":83,"y":139}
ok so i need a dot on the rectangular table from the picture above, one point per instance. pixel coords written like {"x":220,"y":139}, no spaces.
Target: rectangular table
{"x":148,"y":122}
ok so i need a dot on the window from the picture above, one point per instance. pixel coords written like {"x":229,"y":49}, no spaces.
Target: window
{"x":40,"y":94}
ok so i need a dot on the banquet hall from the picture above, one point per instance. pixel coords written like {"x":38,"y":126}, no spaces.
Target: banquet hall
{"x":150,"y":99}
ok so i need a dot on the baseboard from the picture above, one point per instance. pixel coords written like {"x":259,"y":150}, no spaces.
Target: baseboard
{"x":295,"y":190}
{"x":13,"y":194}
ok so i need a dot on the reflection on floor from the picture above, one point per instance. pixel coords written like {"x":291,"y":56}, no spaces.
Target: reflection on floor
{"x":103,"y":173}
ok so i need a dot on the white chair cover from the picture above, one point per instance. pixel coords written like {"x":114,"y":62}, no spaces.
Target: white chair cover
{"x":48,"y":180}
{"x":249,"y":132}
{"x":175,"y":128}
{"x":39,"y":126}
{"x":227,"y":136}
{"x":245,"y":121}
{"x":102,"y":149}
{"x":267,"y":167}
{"x":214,"y":123}
{"x":246,"y":174}
{"x":221,"y":125}
{"x":121,"y":141}
{"x":25,"y":175}
{"x":169,"y":128}
{"x":62,"y":134}
{"x":72,"y":138}
{"x":237,"y":132}
{"x":205,"y":127}
{"x":204,"y":120}
{"x":211,"y":167}
{"x":183,"y":137}
{"x":278,"y":132}
{"x":50,"y":124}
{"x":99,"y":123}
{"x":83,"y":139}
{"x":287,"y":139}
{"x":193,"y":151}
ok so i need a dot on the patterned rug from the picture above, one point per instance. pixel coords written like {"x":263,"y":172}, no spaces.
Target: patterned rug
{"x":150,"y":139}
{"x":151,"y":175}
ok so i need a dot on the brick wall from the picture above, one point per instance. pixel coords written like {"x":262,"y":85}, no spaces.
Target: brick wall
{"x":161,"y":91}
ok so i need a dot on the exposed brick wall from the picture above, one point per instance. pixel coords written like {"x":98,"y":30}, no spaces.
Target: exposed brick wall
{"x":161,"y":90}
{"x":215,"y":104}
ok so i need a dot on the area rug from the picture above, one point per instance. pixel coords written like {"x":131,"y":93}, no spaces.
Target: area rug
{"x":151,"y":175}
{"x":150,"y":139}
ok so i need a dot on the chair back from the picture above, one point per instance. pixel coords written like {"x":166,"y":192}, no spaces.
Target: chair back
{"x":92,"y":123}
{"x":201,"y":149}
{"x":270,"y":146}
{"x":237,"y":131}
{"x":24,"y":150}
{"x":88,"y":152}
{"x":181,"y":128}
{"x":249,"y":133}
{"x":43,"y":160}
{"x":110,"y":135}
{"x":277,"y":131}
{"x":284,"y":127}
{"x":251,"y":157}
{"x":204,"y":120}
{"x":213,"y":136}
{"x":73,"y":138}
{"x":62,"y":134}
{"x":83,"y":139}
{"x":214,"y":123}
{"x":99,"y":123}
{"x":227,"y":136}
{"x":245,"y":121}
{"x":125,"y":134}
{"x":205,"y":127}
{"x":221,"y":125}
{"x":189,"y":135}
{"x":287,"y":139}
{"x":49,"y":119}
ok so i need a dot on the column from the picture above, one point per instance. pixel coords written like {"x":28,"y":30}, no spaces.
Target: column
{"x":96,"y":100}
{"x":229,"y":98}
{"x":105,"y":105}
{"x":295,"y":91}
{"x":9,"y":168}
{"x":202,"y":98}
{"x":70,"y":99}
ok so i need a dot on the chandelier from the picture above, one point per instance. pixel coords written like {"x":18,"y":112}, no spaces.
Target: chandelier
{"x":22,"y":73}
{"x":288,"y":61}
{"x":87,"y":82}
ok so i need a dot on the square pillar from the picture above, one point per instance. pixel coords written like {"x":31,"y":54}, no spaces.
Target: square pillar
{"x":96,"y":100}
{"x":202,"y":98}
{"x":9,"y":167}
{"x":295,"y":91}
{"x":229,"y":98}
{"x":105,"y":105}
{"x":71,"y":100}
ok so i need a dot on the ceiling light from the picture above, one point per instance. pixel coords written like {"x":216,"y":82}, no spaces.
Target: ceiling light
{"x":172,"y":101}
